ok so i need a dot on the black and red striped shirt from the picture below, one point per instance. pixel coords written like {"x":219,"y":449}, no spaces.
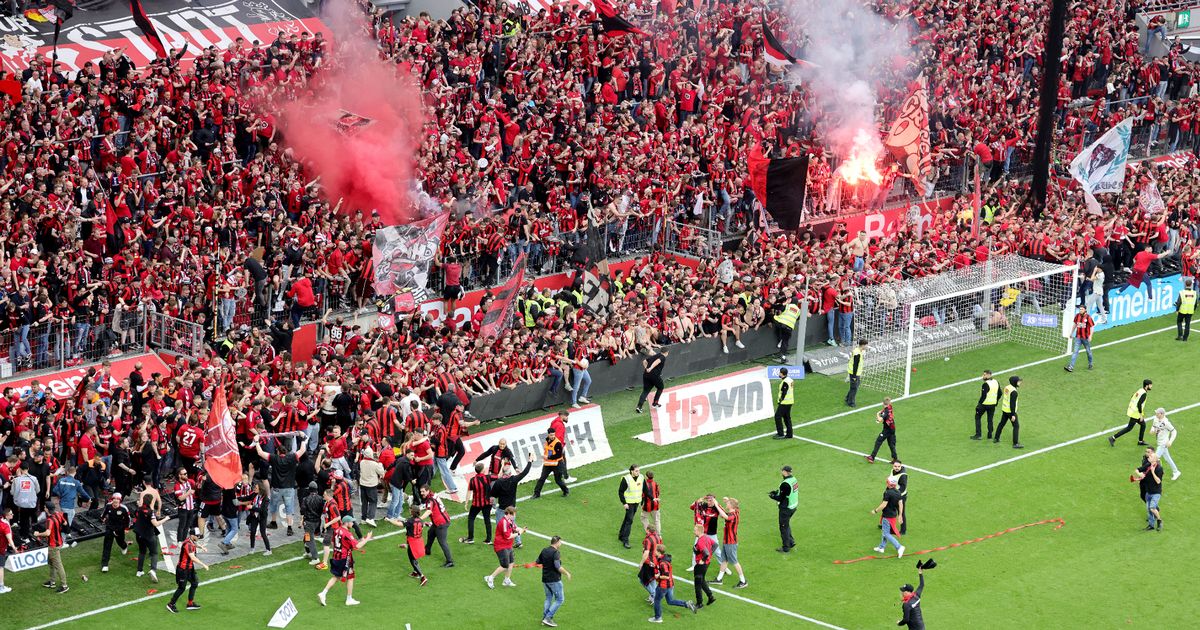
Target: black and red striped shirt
{"x":417,"y":420}
{"x":650,"y":544}
{"x":478,"y":486}
{"x":732,"y":520}
{"x":1083,"y":326}
{"x":54,"y":528}
{"x":185,"y":556}
{"x":341,"y":495}
{"x":387,"y":418}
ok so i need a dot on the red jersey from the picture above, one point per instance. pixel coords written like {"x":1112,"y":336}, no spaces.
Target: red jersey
{"x":506,"y":533}
{"x":190,"y":440}
{"x":732,"y":520}
{"x":703,"y":549}
{"x":650,"y":544}
{"x":344,"y":543}
{"x":185,"y":556}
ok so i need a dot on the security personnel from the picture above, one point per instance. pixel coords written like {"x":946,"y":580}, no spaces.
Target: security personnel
{"x":552,"y":454}
{"x":531,"y":308}
{"x":989,"y":396}
{"x":1137,"y":414}
{"x":788,"y":497}
{"x":783,"y":410}
{"x":855,"y":370}
{"x":630,"y":494}
{"x":1185,"y":306}
{"x":1008,"y":411}
{"x":785,"y":324}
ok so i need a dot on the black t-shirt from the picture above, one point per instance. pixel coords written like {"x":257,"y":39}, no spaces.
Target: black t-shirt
{"x":143,"y":524}
{"x":892,"y":497}
{"x":655,"y":371}
{"x":283,"y":470}
{"x":551,"y":565}
{"x":1148,"y":484}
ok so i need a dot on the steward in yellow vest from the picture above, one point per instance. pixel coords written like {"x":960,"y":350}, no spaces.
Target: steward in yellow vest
{"x":1008,"y":411}
{"x":1185,"y":306}
{"x":989,"y":397}
{"x":1137,"y":414}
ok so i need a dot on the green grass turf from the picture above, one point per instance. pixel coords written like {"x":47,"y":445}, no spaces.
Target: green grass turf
{"x":1098,"y":571}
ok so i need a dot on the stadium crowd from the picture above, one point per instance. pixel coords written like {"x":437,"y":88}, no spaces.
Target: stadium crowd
{"x":169,"y":188}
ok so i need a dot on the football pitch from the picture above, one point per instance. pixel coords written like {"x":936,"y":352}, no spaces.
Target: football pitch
{"x":1086,"y":564}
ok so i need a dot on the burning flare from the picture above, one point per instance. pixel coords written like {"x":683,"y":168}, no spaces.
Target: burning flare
{"x":859,"y":166}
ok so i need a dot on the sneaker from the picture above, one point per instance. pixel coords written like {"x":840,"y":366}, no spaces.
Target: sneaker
{"x":549,"y":622}
{"x":900,"y":552}
{"x":1018,"y":446}
{"x":448,"y":565}
{"x":1158,"y":527}
{"x":490,"y":581}
{"x":739,"y":344}
{"x":742,"y":584}
{"x":424,"y":580}
{"x":272,"y":525}
{"x":575,"y":405}
{"x":584,"y":400}
{"x":193,"y":606}
{"x":1176,"y":475}
{"x":172,"y":608}
{"x":140,"y":573}
{"x":321,"y":597}
{"x":725,"y":349}
{"x":1068,"y":368}
{"x":153,"y":576}
{"x":693,"y":607}
{"x":267,"y":552}
{"x":350,"y":601}
{"x":313,"y":563}
{"x":870,"y":459}
{"x":64,"y":588}
{"x":655,"y":620}
{"x":321,"y":566}
{"x":831,"y":342}
{"x":567,"y":386}
{"x":635,"y":410}
{"x":104,"y":569}
{"x":5,"y":589}
{"x":976,"y":437}
{"x":371,"y":522}
{"x":125,"y":551}
{"x":879,"y":549}
{"x":717,"y":581}
{"x":465,"y":541}
{"x":291,"y":532}
{"x":49,"y":584}
{"x":1112,"y":441}
{"x":1142,"y":443}
{"x":508,"y":583}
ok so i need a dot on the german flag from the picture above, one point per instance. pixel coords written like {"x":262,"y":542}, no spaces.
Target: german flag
{"x":779,"y":185}
{"x":611,"y":23}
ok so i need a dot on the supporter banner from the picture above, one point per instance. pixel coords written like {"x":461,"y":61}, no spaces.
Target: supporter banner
{"x":1133,"y":304}
{"x":885,"y":222}
{"x":222,"y":460}
{"x":501,"y":309}
{"x":62,"y":384}
{"x":587,"y":443}
{"x":711,"y":405}
{"x":908,"y":139}
{"x":402,"y":254}
{"x":1100,"y":168}
{"x":179,"y":23}
{"x":27,"y":560}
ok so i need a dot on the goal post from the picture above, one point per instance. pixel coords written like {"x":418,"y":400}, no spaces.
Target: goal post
{"x":1008,"y":298}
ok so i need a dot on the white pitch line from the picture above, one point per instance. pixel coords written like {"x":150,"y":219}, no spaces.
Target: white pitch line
{"x":718,"y":589}
{"x":1057,"y":446}
{"x":861,"y":454}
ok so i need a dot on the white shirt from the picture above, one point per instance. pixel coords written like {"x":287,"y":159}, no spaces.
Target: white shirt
{"x":1165,"y":431}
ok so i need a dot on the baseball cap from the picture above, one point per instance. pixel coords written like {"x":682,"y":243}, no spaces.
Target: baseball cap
{"x":347,"y":519}
{"x":117,"y":495}
{"x":787,"y":469}
{"x":907,"y":588}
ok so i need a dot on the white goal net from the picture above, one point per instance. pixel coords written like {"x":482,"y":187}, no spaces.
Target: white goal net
{"x":1007,"y":298}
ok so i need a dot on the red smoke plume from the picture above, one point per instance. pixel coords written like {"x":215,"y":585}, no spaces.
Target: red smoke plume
{"x":369,"y":164}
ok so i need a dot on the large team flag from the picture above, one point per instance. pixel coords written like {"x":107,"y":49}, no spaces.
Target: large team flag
{"x":908,"y":139}
{"x":501,"y":309}
{"x":221,"y":458}
{"x":1100,"y":168}
{"x":147,"y":27}
{"x":779,"y":185}
{"x":402,"y":255}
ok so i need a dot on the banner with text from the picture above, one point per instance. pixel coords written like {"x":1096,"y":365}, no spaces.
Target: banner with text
{"x":709,"y":406}
{"x":1134,"y":304}
{"x":587,"y":442}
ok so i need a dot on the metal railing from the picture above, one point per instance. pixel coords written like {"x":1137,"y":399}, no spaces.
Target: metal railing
{"x":174,"y":335}
{"x":55,"y":345}
{"x":690,"y":240}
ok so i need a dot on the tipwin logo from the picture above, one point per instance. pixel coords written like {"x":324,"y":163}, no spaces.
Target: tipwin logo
{"x":692,"y":413}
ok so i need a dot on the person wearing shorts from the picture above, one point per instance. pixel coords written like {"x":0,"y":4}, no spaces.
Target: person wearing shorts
{"x":502,"y":543}
{"x":729,"y":543}
{"x":341,"y":567}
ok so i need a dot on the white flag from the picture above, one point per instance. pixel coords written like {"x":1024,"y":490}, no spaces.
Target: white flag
{"x":1100,"y":168}
{"x":282,"y":617}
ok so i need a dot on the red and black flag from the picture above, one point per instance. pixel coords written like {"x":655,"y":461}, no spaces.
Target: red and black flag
{"x":775,"y":54}
{"x":779,"y":185}
{"x":611,"y":23}
{"x":147,"y":28}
